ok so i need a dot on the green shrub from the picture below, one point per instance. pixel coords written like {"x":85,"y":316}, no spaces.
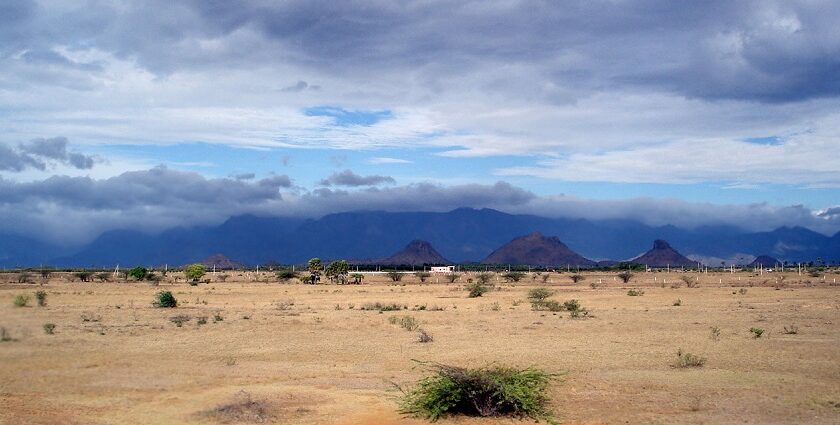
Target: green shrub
{"x":576,"y":278}
{"x":625,"y":276}
{"x":688,"y":360}
{"x":21,"y":300}
{"x":378,"y":306}
{"x":217,"y":317}
{"x":286,"y":275}
{"x":513,"y":276}
{"x":476,"y":289}
{"x":180,"y":320}
{"x":486,"y":391}
{"x":394,"y":275}
{"x":49,"y":328}
{"x":757,"y":332}
{"x":792,"y":330}
{"x":41,"y":297}
{"x":138,"y":273}
{"x":452,"y":277}
{"x":539,"y":294}
{"x":193,"y":272}
{"x":165,"y":299}
{"x":635,"y":292}
{"x":202,"y":320}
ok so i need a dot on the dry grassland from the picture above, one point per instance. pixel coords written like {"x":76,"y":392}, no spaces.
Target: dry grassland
{"x":302,"y":354}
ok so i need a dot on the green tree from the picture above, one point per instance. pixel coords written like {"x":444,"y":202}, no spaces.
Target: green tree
{"x":337,"y":271}
{"x":138,"y":273}
{"x":314,"y":270}
{"x":194,"y":272}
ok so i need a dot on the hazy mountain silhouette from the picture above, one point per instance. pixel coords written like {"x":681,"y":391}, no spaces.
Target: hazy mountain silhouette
{"x":663,"y":255}
{"x":537,"y":250}
{"x":460,"y":235}
{"x":764,"y":261}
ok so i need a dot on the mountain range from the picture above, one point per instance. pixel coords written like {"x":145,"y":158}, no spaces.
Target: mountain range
{"x":461,"y":235}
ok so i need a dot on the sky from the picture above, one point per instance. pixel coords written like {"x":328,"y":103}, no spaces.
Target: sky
{"x":153,"y":114}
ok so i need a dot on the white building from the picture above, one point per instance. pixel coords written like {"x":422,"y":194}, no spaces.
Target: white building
{"x":444,"y":269}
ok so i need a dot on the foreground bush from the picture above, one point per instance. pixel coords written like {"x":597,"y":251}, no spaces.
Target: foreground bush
{"x":486,"y":391}
{"x":476,"y":289}
{"x":165,"y":299}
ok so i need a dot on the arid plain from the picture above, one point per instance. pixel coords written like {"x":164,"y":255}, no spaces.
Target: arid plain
{"x":312,"y":354}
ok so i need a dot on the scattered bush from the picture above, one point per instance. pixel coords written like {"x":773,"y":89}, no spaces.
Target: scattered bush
{"x":223,"y":277}
{"x":217,"y":317}
{"x":49,"y":328}
{"x":690,"y":281}
{"x":677,"y":303}
{"x":4,"y":336}
{"x":575,"y":309}
{"x":21,"y":300}
{"x":165,"y":299}
{"x":180,"y":320}
{"x":424,"y":337}
{"x":89,"y":316}
{"x":408,"y":323}
{"x":357,"y":278}
{"x":243,"y":409}
{"x":394,"y":275}
{"x":688,"y":360}
{"x":483,"y":278}
{"x":757,"y":332}
{"x":24,"y":277}
{"x":486,"y":391}
{"x":742,"y":291}
{"x":545,"y":277}
{"x":422,"y":276}
{"x":41,"y":297}
{"x":477,"y":289}
{"x":452,"y":277}
{"x":513,"y":276}
{"x":714,"y":333}
{"x":792,"y":330}
{"x":539,"y":294}
{"x":103,"y":276}
{"x":625,"y":276}
{"x":577,"y":278}
{"x":635,"y":292}
{"x":202,"y":320}
{"x":378,"y":306}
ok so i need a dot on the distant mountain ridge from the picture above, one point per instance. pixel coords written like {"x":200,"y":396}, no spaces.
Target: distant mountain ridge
{"x":461,"y":235}
{"x":663,"y":255}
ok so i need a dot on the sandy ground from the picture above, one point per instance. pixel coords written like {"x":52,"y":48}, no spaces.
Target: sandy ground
{"x":310,"y":355}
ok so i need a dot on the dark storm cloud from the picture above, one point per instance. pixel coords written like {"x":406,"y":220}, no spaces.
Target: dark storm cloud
{"x":349,"y":178}
{"x":161,"y":198}
{"x":37,"y":152}
{"x":753,"y":50}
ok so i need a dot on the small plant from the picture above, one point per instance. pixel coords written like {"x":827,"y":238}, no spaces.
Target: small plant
{"x":408,"y":323}
{"x":452,"y":277}
{"x":41,"y":297}
{"x":24,"y":277}
{"x":202,"y":320}
{"x":476,"y":289}
{"x":677,"y":303}
{"x":513,"y":276}
{"x":165,"y":299}
{"x":625,"y":276}
{"x":742,"y":291}
{"x":486,"y":391}
{"x":714,"y":333}
{"x":539,"y":294}
{"x":21,"y":300}
{"x":4,"y":336}
{"x":424,"y":337}
{"x":218,"y":317}
{"x":577,"y":278}
{"x":180,"y":320}
{"x":194,"y":272}
{"x":286,"y":275}
{"x":635,"y":292}
{"x":545,"y":277}
{"x":685,"y":360}
{"x":575,"y":310}
{"x":139,"y":273}
{"x":792,"y":330}
{"x":49,"y":328}
{"x":423,"y":276}
{"x":394,"y":275}
{"x":89,"y":316}
{"x":757,"y":332}
{"x":495,"y":306}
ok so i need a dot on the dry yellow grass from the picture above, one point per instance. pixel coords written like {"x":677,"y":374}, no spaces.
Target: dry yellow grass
{"x":300,"y":359}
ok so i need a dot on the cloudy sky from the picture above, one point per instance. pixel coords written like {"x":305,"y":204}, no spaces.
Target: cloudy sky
{"x":151,"y":114}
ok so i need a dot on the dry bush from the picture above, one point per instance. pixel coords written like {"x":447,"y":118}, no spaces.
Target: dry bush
{"x":424,"y":337}
{"x":685,"y":360}
{"x":243,"y":409}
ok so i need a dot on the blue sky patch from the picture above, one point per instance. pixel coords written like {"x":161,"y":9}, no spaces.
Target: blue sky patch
{"x":770,"y":140}
{"x":347,"y":117}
